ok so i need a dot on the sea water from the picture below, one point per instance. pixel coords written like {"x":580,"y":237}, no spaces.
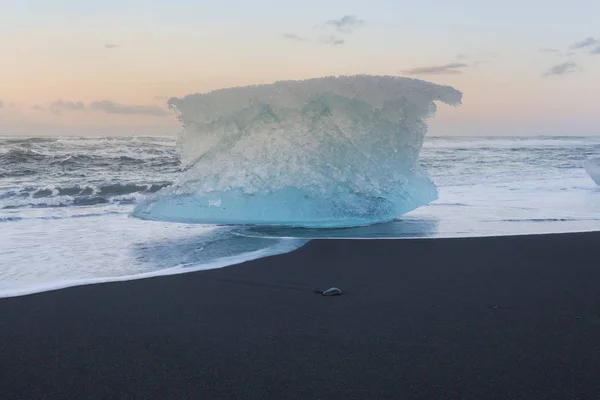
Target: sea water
{"x":65,"y":205}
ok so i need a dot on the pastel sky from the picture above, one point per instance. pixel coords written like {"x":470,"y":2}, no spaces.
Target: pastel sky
{"x":527,"y":67}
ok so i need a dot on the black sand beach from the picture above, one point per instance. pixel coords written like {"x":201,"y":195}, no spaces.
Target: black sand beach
{"x":482,"y":318}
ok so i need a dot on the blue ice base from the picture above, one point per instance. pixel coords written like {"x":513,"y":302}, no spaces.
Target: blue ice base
{"x":291,"y":207}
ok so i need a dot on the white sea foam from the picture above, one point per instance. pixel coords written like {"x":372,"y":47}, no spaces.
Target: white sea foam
{"x":20,"y":289}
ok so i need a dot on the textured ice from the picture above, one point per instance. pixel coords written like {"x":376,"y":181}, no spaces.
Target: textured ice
{"x":592,"y":166}
{"x":326,"y":152}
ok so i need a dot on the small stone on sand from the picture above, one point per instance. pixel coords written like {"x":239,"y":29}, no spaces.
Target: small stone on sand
{"x":332,"y":292}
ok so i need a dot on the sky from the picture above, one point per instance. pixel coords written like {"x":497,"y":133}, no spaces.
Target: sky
{"x":108,"y":67}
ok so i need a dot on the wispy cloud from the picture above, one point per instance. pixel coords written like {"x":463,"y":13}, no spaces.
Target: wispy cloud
{"x":474,"y":60}
{"x":68,"y":105}
{"x":334,"y":28}
{"x":595,"y":50}
{"x":1,"y":104}
{"x":450,"y":68}
{"x":549,"y":50}
{"x":346,"y":24}
{"x":37,"y":107}
{"x":111,"y":107}
{"x":587,"y":42}
{"x":332,"y":40}
{"x":565,"y":68}
{"x":59,"y":106}
{"x":111,"y":45}
{"x":107,"y":106}
{"x":293,"y":36}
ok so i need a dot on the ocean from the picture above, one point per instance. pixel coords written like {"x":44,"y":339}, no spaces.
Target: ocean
{"x":65,"y":205}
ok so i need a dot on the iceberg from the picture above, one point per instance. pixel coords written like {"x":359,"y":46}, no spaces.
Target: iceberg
{"x":592,"y":167}
{"x":317,"y":153}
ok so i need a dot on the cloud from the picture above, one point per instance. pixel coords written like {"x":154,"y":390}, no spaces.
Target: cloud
{"x":549,"y":50}
{"x":111,"y":46}
{"x":333,"y":40}
{"x":59,"y":106}
{"x":1,"y":104}
{"x":111,"y":107}
{"x":293,"y":36}
{"x":595,"y":50}
{"x":562,"y":69}
{"x":587,"y":42}
{"x":346,"y":24}
{"x":450,"y":68}
{"x":68,"y":105}
{"x":473,"y":59}
{"x":37,"y":107}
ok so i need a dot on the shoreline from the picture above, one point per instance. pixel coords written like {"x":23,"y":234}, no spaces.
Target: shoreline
{"x":236,"y":260}
{"x":275,"y":249}
{"x":430,"y":318}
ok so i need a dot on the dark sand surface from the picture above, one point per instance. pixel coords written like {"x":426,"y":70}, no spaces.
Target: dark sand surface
{"x":482,"y":318}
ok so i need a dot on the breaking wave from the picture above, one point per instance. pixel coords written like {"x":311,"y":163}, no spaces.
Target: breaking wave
{"x":56,"y":196}
{"x":60,"y":172}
